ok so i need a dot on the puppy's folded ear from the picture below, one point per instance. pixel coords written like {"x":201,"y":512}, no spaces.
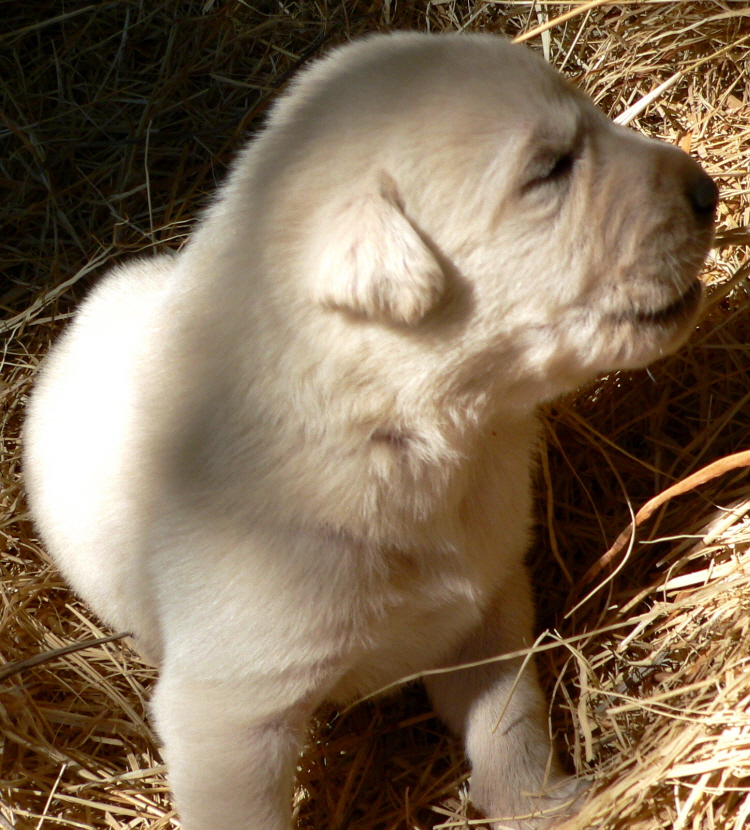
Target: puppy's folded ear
{"x":373,"y":262}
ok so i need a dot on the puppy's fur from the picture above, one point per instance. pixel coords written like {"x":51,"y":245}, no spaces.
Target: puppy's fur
{"x":294,"y":459}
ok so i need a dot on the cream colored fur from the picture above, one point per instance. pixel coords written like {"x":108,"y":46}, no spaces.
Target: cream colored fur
{"x":295,"y":458}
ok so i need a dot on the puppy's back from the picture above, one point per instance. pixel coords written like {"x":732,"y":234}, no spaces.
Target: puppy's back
{"x":81,"y":434}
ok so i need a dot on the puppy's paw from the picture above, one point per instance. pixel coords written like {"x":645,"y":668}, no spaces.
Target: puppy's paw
{"x":559,"y":801}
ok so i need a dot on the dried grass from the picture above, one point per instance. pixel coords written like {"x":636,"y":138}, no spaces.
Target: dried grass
{"x":117,"y":119}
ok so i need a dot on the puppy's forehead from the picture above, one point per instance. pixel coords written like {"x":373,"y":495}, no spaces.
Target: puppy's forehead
{"x":414,"y":77}
{"x":412,"y":103}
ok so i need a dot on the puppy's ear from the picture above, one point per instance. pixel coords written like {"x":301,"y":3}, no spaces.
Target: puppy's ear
{"x":375,"y":264}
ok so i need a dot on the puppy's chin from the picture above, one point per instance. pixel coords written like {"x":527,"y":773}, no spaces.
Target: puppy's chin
{"x":590,"y":341}
{"x":678,"y":312}
{"x":671,"y":321}
{"x":640,"y":335}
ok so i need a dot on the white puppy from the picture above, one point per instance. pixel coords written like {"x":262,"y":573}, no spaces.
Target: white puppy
{"x":294,"y":459}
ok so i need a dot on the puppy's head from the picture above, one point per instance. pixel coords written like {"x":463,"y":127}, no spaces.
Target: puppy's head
{"x":457,"y":192}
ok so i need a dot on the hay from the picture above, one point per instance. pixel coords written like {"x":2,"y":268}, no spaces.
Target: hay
{"x":117,"y":120}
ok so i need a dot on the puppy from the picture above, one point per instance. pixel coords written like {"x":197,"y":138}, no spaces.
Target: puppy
{"x":294,"y":459}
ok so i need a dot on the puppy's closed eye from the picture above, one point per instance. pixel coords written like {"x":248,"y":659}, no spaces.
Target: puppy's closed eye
{"x":551,"y":168}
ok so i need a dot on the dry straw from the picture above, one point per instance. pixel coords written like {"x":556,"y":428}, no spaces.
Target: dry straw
{"x":117,"y":119}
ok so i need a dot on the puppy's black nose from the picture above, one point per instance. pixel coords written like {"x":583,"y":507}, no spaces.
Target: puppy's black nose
{"x":703,"y":195}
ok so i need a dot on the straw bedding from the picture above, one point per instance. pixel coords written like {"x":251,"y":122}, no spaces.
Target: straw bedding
{"x":117,"y":119}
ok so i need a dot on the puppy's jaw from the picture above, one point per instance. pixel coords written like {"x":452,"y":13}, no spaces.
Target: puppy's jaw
{"x":681,"y":311}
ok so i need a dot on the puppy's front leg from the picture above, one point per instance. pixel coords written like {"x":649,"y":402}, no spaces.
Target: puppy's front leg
{"x":516,"y":776}
{"x":231,"y":757}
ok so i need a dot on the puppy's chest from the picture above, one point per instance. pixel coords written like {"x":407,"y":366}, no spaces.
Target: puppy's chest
{"x":414,"y":612}
{"x":417,"y":582}
{"x":417,"y":602}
